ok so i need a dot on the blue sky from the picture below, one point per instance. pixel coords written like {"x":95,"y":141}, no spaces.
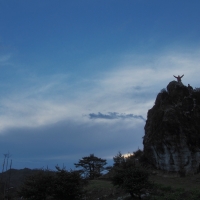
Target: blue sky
{"x":78,"y":77}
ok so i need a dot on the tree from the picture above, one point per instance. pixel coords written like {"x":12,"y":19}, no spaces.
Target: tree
{"x":92,"y":166}
{"x":118,"y":159}
{"x":132,"y":179}
{"x":129,"y":174}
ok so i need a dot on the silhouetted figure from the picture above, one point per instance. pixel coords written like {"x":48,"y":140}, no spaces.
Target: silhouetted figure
{"x":190,"y":87}
{"x":179,"y":78}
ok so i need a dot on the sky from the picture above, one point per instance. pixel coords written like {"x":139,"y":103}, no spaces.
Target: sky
{"x":77,"y":77}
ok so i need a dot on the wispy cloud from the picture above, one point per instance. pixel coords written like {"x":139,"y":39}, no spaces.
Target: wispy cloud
{"x":52,"y":110}
{"x":115,"y":115}
{"x":130,"y":87}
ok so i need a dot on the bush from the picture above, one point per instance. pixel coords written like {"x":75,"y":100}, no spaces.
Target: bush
{"x":132,"y":179}
{"x":164,"y":90}
{"x":60,"y":185}
{"x":68,"y":185}
{"x":129,"y":174}
{"x":37,"y":186}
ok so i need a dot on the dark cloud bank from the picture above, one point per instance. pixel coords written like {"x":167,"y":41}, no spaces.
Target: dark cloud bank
{"x":115,"y":115}
{"x":66,"y":142}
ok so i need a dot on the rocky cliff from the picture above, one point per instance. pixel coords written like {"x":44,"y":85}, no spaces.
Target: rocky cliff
{"x":172,"y":130}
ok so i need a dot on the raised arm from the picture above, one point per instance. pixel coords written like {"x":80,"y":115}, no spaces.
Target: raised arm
{"x":182,"y":75}
{"x":175,"y":76}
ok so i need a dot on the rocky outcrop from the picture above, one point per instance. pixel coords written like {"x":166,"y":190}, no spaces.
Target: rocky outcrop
{"x":172,"y":130}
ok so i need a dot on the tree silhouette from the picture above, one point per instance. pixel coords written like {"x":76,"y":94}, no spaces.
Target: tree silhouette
{"x":60,"y":185}
{"x":129,"y":175}
{"x":92,"y":166}
{"x":37,"y":186}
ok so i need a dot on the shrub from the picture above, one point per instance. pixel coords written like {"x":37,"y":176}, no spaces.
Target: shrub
{"x":60,"y":185}
{"x":132,"y":179}
{"x":129,"y":174}
{"x":68,"y":185}
{"x":164,"y":90}
{"x":37,"y":186}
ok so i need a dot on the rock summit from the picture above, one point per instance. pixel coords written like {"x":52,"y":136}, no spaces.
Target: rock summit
{"x":172,"y":130}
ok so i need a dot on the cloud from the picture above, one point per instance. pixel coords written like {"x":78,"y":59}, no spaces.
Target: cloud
{"x":67,"y":141}
{"x":43,"y":121}
{"x":130,"y":86}
{"x":114,"y":115}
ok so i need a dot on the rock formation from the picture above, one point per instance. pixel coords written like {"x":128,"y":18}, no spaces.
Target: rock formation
{"x":172,"y":130}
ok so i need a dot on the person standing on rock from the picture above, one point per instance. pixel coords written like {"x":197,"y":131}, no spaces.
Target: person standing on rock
{"x":190,"y":87}
{"x":179,"y":78}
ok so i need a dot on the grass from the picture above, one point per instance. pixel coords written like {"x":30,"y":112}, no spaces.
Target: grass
{"x":189,"y":182}
{"x":103,"y":189}
{"x":167,"y":187}
{"x":100,"y":184}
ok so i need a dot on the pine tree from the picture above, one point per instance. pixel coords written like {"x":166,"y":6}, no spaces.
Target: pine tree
{"x":92,"y":166}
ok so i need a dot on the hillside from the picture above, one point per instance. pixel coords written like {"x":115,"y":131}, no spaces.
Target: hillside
{"x":17,"y":176}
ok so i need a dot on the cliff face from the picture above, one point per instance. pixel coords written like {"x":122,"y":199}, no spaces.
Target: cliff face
{"x":172,"y":130}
